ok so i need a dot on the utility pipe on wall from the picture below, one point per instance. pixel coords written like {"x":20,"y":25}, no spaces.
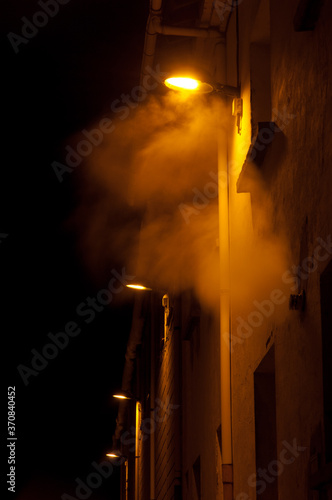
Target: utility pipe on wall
{"x":179,"y":31}
{"x":137,"y":449}
{"x":152,"y":396}
{"x":155,"y":27}
{"x":225,"y":347}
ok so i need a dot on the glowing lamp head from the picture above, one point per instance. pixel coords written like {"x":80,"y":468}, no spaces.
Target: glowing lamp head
{"x":188,"y":84}
{"x":181,"y":83}
{"x":116,"y":454}
{"x":124,"y":395}
{"x":138,"y":287}
{"x":120,"y":396}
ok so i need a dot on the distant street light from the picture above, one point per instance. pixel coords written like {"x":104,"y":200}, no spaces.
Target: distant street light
{"x":115,"y":454}
{"x":138,"y":287}
{"x":124,"y":395}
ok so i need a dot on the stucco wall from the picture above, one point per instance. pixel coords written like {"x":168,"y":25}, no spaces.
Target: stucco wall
{"x":290,"y":208}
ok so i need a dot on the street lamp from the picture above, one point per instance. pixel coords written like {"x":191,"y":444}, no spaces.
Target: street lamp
{"x":167,"y":311}
{"x":124,"y":395}
{"x":137,"y":286}
{"x":183,"y":82}
{"x":116,"y":454}
{"x":123,"y":460}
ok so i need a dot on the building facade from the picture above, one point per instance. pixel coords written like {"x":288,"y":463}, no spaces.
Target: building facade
{"x":237,"y":404}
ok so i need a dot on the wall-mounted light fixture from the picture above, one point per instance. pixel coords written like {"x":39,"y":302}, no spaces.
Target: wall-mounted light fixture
{"x":186,"y":83}
{"x":124,"y":395}
{"x":182,"y":82}
{"x":115,"y":454}
{"x":146,"y":287}
{"x":137,"y":286}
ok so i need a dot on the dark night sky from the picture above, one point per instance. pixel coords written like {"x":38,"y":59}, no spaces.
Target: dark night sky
{"x":66,"y":76}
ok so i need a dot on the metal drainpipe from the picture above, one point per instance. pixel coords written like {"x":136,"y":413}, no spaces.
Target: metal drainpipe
{"x":155,"y":28}
{"x":137,"y":449}
{"x":127,"y":479}
{"x":178,"y":31}
{"x":225,"y":302}
{"x":150,"y":37}
{"x":152,"y":396}
{"x":225,"y":322}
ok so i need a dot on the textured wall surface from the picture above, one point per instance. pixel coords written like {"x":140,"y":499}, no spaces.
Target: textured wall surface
{"x":291,"y":209}
{"x":168,"y":425}
{"x":201,"y":409}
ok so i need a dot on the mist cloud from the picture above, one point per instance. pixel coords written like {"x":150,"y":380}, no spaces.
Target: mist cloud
{"x":160,"y":158}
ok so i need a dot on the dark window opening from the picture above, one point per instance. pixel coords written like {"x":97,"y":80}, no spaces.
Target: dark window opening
{"x":265,"y":425}
{"x":326,"y":318}
{"x":307,"y":14}
{"x":197,"y":476}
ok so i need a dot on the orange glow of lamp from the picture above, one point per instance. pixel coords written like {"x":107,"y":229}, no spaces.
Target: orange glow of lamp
{"x":120,"y":396}
{"x":113,"y":455}
{"x":117,"y":454}
{"x":124,"y":395}
{"x":191,"y":85}
{"x":184,"y":83}
{"x":188,"y":86}
{"x":138,"y":287}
